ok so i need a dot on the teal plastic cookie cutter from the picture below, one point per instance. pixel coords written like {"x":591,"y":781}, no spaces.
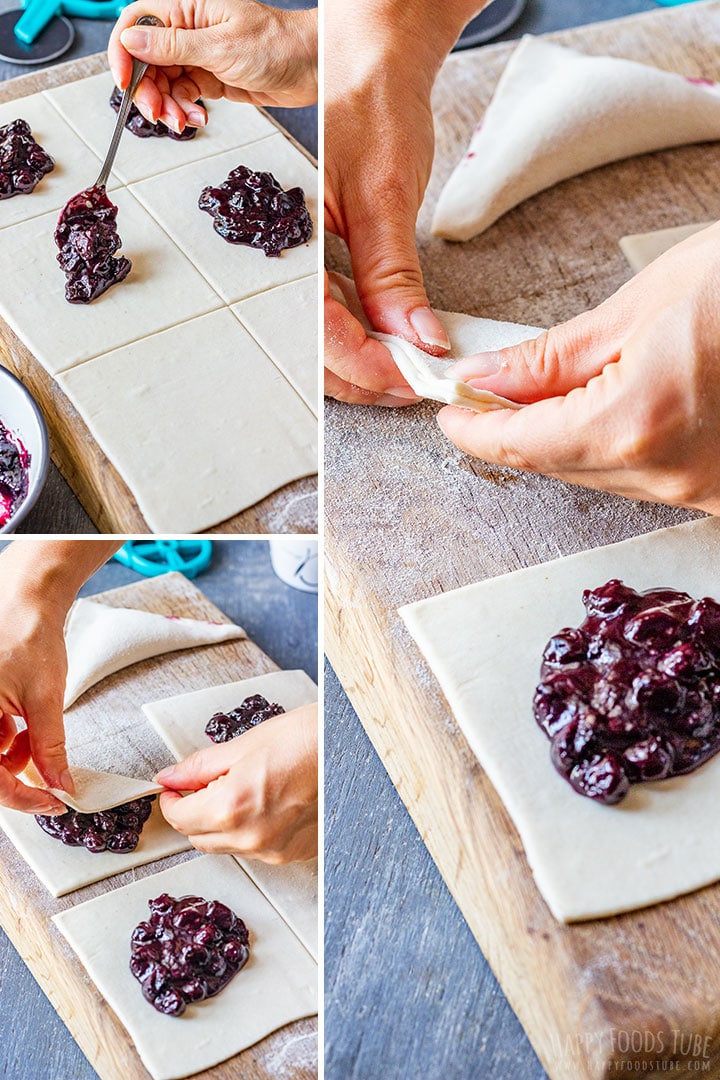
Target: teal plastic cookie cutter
{"x":38,"y":13}
{"x":151,"y":558}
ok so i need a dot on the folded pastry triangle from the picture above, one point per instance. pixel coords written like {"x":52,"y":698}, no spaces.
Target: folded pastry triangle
{"x":557,"y":113}
{"x":101,"y":640}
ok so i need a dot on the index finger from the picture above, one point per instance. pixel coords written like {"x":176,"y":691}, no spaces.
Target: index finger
{"x":18,"y":796}
{"x":193,"y":814}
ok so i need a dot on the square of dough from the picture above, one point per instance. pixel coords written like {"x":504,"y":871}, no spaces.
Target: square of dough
{"x":76,"y":165}
{"x":162,"y":288}
{"x":277,"y":985}
{"x":180,"y":721}
{"x":200,"y":423}
{"x":640,"y":249}
{"x":85,"y":106}
{"x":63,"y":869}
{"x":484,"y":643}
{"x":285,"y":322}
{"x":234,"y":270}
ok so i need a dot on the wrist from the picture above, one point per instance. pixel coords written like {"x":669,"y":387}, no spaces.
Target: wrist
{"x":51,"y":572}
{"x":378,"y":34}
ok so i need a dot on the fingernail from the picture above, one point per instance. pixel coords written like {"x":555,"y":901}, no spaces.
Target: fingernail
{"x":404,"y":392}
{"x":164,"y":774}
{"x":66,"y":782}
{"x":428,"y":327}
{"x":196,"y":118}
{"x":390,"y":400}
{"x":477,"y":367}
{"x":135,"y":40}
{"x":52,"y":811}
{"x":172,"y":123}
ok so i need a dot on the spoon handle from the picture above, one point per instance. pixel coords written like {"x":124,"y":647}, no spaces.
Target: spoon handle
{"x":138,"y":70}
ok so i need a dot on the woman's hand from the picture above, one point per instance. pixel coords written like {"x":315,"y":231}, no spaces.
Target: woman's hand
{"x":381,"y":62}
{"x":39,"y":580}
{"x":625,"y":398}
{"x":238,"y":49}
{"x":256,"y":795}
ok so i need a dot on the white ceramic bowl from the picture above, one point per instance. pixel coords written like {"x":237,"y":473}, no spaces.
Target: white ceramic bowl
{"x":21,"y":416}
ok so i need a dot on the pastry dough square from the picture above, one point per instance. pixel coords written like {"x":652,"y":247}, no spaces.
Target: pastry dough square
{"x":85,"y":106}
{"x":180,"y":721}
{"x":234,"y":270}
{"x":640,"y":249}
{"x":96,"y":791}
{"x":200,"y":423}
{"x":162,"y":288}
{"x":76,"y":165}
{"x":284,"y":321}
{"x":484,"y":643}
{"x":63,"y":869}
{"x":277,"y":985}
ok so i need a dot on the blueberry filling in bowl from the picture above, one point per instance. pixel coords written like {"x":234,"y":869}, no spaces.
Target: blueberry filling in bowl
{"x":14,"y":474}
{"x":23,"y":162}
{"x":144,"y":129}
{"x":88,"y":239}
{"x":188,"y":950}
{"x":633,"y":693}
{"x":115,"y":830}
{"x":251,"y":208}
{"x":221,"y":727}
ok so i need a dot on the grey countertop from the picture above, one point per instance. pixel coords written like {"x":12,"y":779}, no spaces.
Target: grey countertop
{"x":35,"y":1043}
{"x":408,"y":993}
{"x":58,"y":510}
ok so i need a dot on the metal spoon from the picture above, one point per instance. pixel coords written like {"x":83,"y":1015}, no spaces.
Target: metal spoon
{"x":138,"y":70}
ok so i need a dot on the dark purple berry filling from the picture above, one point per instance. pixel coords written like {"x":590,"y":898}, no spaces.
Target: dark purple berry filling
{"x":633,"y":694}
{"x":251,"y":208}
{"x":115,"y":830}
{"x":14,"y":476}
{"x":87,"y":238}
{"x":141,"y":127}
{"x":225,"y":726}
{"x":188,"y":950}
{"x":23,"y":162}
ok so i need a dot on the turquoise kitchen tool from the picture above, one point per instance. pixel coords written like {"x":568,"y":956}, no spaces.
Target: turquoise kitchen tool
{"x":38,"y":13}
{"x":154,"y":557}
{"x":39,"y":30}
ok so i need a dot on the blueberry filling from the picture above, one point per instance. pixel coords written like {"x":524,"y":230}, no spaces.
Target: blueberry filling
{"x":87,"y":238}
{"x":115,"y":830}
{"x":633,"y":694}
{"x":14,"y":477}
{"x":251,"y":208}
{"x":23,"y":162}
{"x":141,"y":127}
{"x":225,"y":726}
{"x":188,"y":950}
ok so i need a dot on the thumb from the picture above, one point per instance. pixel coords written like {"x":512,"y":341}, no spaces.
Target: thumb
{"x":171,"y":46}
{"x":199,"y":769}
{"x":551,"y":365}
{"x":389,"y":281}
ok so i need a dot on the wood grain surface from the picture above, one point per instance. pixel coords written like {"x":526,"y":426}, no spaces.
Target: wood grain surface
{"x":103,"y":493}
{"x":408,"y":516}
{"x":26,"y":907}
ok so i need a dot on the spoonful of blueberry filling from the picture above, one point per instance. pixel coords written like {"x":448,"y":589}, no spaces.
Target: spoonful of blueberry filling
{"x":86,"y":233}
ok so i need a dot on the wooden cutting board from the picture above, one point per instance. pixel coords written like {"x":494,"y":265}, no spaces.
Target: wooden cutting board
{"x":409,"y":516}
{"x":97,"y":484}
{"x":26,"y":907}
